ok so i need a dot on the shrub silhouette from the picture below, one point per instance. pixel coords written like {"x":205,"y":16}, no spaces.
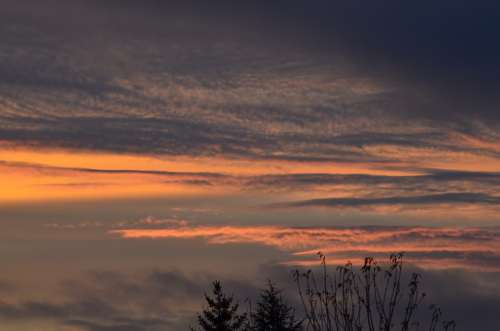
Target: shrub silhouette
{"x":369,"y":299}
{"x":221,"y":313}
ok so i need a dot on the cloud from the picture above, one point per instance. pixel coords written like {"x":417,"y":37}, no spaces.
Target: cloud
{"x":419,"y":200}
{"x":367,"y":189}
{"x":414,"y":186}
{"x":184,"y":80}
{"x":168,"y":300}
{"x":422,"y":180}
{"x":194,"y":178}
{"x":107,"y":300}
{"x":463,"y":248}
{"x":6,"y":287}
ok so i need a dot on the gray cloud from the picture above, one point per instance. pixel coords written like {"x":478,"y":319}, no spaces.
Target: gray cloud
{"x":158,"y":300}
{"x":434,"y":199}
{"x":159,"y":173}
{"x":108,"y":301}
{"x":430,"y":176}
{"x":183,"y":79}
{"x":429,"y":187}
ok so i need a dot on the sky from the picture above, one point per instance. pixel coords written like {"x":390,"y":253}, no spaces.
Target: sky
{"x":150,"y":147}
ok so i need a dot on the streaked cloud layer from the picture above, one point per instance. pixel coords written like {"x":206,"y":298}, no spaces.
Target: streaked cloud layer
{"x":469,"y":248}
{"x":169,"y":97}
{"x":62,"y":176}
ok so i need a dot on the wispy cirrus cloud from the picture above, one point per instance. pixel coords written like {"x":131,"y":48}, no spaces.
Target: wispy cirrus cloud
{"x":467,"y":248}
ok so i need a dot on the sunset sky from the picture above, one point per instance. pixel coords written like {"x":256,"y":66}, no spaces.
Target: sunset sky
{"x":149,"y":147}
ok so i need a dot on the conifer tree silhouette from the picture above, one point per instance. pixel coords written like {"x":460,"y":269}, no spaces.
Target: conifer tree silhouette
{"x":221,"y":313}
{"x":273,"y":313}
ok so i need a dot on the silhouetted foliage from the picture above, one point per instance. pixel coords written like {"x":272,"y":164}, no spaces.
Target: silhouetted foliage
{"x":366,"y":300}
{"x":273,"y":313}
{"x":369,"y":299}
{"x":221,"y":313}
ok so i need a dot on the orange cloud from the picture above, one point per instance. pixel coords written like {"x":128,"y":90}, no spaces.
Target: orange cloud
{"x":429,"y":247}
{"x":58,"y":174}
{"x":55,"y":174}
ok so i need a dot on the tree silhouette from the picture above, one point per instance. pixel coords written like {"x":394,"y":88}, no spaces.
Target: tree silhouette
{"x":273,"y":313}
{"x":373,"y":298}
{"x":221,"y":313}
{"x":370,"y":299}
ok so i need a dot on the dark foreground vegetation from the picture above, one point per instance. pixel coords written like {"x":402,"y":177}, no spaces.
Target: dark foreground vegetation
{"x":372,"y":298}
